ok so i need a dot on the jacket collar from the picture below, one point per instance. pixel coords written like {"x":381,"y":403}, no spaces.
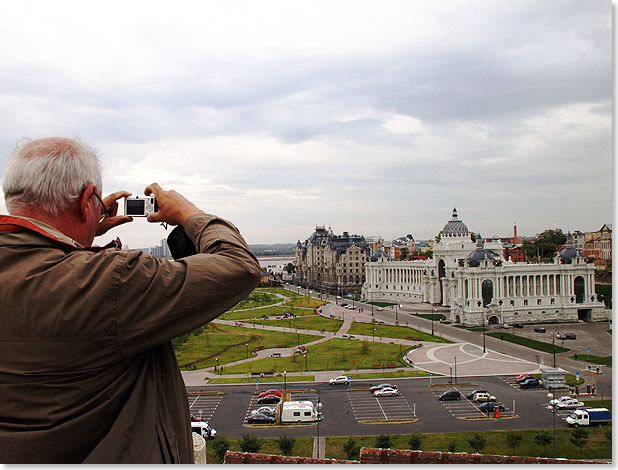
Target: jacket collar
{"x":11,"y":223}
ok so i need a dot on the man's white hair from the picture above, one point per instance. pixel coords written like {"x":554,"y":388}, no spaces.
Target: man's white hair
{"x":49,"y":173}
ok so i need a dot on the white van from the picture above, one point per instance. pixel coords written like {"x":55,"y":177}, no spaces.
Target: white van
{"x":299,"y":412}
{"x":203,"y":429}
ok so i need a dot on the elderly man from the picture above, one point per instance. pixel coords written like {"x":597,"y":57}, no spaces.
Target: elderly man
{"x":87,"y":370}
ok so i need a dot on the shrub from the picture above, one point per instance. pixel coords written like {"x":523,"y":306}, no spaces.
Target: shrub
{"x":251,"y":443}
{"x":452,"y":446}
{"x":415,"y":441}
{"x":384,"y":441}
{"x":286,"y":444}
{"x":477,"y":442}
{"x":351,"y":449}
{"x":220,"y":445}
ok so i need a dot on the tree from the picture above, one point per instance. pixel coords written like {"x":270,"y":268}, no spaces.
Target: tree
{"x":220,"y":445}
{"x":351,"y":449}
{"x":251,"y":443}
{"x":579,"y":438}
{"x":290,"y":268}
{"x":513,"y":440}
{"x":542,"y":438}
{"x":415,"y":441}
{"x":403,"y":254}
{"x":286,"y":444}
{"x":452,"y":446}
{"x":477,"y":442}
{"x":384,"y":441}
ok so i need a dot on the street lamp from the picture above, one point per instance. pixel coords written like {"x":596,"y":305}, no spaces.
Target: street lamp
{"x":285,"y":382}
{"x":433,"y":312}
{"x":374,"y":335}
{"x":247,"y":349}
{"x":552,"y":395}
{"x":306,"y":368}
{"x":483,"y":331}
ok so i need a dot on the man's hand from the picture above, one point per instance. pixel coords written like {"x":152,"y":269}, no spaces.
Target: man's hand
{"x":174,"y":208}
{"x":111,"y":204}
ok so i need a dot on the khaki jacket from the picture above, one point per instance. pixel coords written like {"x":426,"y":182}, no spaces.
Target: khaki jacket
{"x":87,"y":370}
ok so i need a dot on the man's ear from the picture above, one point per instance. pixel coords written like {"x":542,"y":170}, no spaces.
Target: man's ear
{"x":85,"y":202}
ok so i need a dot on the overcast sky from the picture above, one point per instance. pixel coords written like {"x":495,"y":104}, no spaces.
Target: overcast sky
{"x":374,"y":117}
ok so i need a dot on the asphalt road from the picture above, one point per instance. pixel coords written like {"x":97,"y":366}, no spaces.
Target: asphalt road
{"x":354,"y":411}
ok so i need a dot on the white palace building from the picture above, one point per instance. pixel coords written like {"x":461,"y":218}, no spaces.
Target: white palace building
{"x":478,"y":285}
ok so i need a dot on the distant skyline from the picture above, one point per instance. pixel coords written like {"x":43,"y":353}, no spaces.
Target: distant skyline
{"x":373,"y":117}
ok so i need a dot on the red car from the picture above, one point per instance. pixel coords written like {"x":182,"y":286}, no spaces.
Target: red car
{"x":270,"y":392}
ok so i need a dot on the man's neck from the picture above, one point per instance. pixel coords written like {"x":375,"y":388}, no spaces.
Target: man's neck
{"x":64,"y":222}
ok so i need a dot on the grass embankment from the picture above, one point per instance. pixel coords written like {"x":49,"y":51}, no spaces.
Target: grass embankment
{"x":597,"y":447}
{"x":263,"y":380}
{"x":303,"y":447}
{"x":229,"y":343}
{"x":603,"y":360}
{"x":390,"y":331}
{"x":335,"y":354}
{"x":529,"y":343}
{"x":307,"y":322}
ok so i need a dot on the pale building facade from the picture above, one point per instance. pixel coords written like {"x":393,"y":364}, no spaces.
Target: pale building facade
{"x":478,"y":285}
{"x":333,"y":263}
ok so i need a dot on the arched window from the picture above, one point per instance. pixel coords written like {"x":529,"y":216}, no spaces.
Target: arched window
{"x":487,"y":289}
{"x":579,"y":286}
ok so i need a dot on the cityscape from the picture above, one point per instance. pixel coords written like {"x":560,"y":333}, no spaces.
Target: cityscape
{"x":509,"y":335}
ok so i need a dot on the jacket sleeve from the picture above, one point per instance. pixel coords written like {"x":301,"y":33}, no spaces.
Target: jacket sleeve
{"x":157,"y":300}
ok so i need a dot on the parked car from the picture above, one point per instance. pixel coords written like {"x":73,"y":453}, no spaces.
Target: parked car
{"x":481,"y":396}
{"x":381,"y":386}
{"x":264,"y":410}
{"x":386,"y":392}
{"x":268,"y":400}
{"x":525,"y":378}
{"x":559,"y":399}
{"x":342,"y":379}
{"x":521,"y":376}
{"x":569,"y":404}
{"x":530,"y":383}
{"x":379,"y":309}
{"x":491,"y":407}
{"x":470,"y":395}
{"x":518,"y":325}
{"x":539,"y":329}
{"x":270,"y":392}
{"x":260,"y":419}
{"x":450,"y":395}
{"x":344,"y":305}
{"x":570,"y":336}
{"x":561,"y":336}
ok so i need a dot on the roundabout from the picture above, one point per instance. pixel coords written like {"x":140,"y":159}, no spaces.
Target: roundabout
{"x":466,"y":359}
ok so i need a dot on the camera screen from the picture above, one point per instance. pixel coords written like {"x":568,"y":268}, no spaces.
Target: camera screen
{"x":135,"y":207}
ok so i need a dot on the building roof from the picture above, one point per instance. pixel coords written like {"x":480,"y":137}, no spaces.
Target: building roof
{"x":455,"y":227}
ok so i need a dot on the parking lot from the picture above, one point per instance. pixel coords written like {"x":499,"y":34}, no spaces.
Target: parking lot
{"x":355,"y":411}
{"x":367,"y":407}
{"x":295,"y":395}
{"x":204,"y":405}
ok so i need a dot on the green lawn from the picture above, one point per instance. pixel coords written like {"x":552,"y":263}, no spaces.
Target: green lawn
{"x":306,"y":302}
{"x":303,"y":447}
{"x":597,"y":447}
{"x":312,"y":322}
{"x":530,"y":343}
{"x":428,"y":316}
{"x":227,"y":343}
{"x":603,"y":360}
{"x":391,"y":331}
{"x":263,"y":380}
{"x":256,"y":299}
{"x":335,"y":354}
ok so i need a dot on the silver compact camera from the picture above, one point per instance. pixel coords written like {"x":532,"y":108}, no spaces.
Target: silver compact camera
{"x":140,"y":206}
